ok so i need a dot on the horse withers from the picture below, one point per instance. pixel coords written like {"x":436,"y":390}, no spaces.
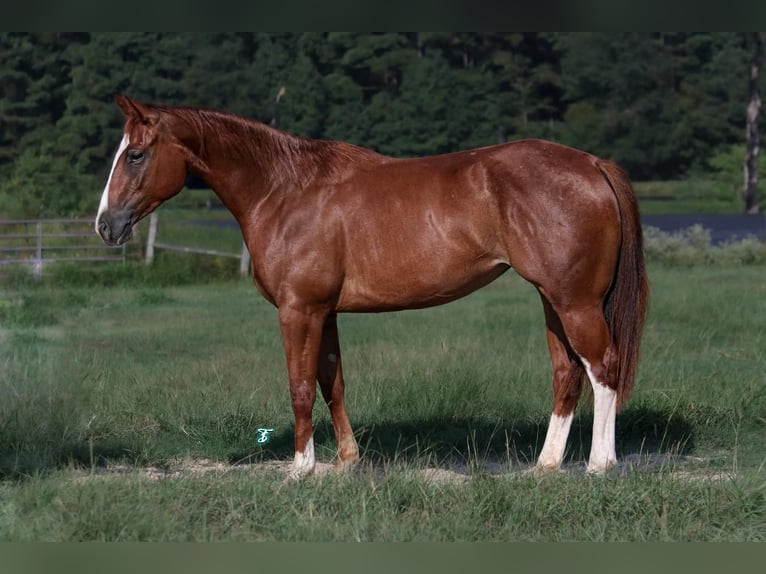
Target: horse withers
{"x":332,"y":227}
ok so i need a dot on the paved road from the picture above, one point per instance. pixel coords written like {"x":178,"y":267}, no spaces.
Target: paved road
{"x":722,"y":227}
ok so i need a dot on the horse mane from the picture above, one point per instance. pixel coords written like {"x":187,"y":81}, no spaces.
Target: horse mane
{"x":283,"y":157}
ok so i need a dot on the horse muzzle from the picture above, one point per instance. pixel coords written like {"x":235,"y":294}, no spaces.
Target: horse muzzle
{"x":115,"y":229}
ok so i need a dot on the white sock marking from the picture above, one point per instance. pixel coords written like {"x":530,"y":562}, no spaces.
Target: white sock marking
{"x":104,"y":204}
{"x":304,"y":462}
{"x":602,"y":451}
{"x":552,"y":453}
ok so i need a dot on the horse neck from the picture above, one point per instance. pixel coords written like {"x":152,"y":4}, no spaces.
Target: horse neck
{"x":243,"y":161}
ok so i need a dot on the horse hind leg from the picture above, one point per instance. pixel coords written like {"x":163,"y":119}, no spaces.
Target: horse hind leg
{"x":589,"y":336}
{"x":568,"y":374}
{"x":330,"y":377}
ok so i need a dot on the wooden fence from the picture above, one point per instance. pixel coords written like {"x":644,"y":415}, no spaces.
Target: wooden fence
{"x":38,"y":242}
{"x":152,"y":244}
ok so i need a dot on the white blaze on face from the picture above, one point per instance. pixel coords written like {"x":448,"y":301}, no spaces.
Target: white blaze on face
{"x":104,"y":205}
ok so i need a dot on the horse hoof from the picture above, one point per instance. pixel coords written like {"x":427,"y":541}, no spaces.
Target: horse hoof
{"x":296,"y":474}
{"x":542,"y":470}
{"x":600,"y":469}
{"x":345,"y":466}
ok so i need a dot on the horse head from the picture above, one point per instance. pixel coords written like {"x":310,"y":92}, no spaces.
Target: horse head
{"x":149,"y":167}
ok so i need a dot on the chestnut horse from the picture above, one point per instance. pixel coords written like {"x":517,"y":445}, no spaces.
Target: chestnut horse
{"x":332,"y":227}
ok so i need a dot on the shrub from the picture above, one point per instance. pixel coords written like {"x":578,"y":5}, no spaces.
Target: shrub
{"x":693,"y":246}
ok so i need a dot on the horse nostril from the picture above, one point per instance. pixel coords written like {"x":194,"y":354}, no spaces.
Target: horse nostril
{"x":103,"y":228}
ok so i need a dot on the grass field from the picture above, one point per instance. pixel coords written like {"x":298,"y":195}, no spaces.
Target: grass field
{"x":129,"y":412}
{"x":693,"y":195}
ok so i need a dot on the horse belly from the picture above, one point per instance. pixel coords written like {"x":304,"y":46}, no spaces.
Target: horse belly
{"x":415,"y":287}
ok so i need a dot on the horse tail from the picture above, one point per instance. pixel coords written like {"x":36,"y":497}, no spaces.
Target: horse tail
{"x":627,"y":300}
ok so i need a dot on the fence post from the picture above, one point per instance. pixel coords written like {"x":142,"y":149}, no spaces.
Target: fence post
{"x":244,"y":261}
{"x":37,"y":269}
{"x":152,"y":238}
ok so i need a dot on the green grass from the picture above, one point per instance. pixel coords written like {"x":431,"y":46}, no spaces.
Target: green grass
{"x":178,"y":224}
{"x":397,"y":507}
{"x":693,"y":195}
{"x":144,"y":374}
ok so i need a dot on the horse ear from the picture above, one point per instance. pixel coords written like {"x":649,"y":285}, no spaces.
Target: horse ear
{"x":135,"y":110}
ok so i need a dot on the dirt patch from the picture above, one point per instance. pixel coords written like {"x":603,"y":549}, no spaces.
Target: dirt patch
{"x":449,"y":474}
{"x":193,"y":467}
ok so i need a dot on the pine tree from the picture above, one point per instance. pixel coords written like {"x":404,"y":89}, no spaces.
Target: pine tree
{"x":33,"y":75}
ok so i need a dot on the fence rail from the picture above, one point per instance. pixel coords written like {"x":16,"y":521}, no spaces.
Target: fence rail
{"x":152,"y":244}
{"x":39,"y":242}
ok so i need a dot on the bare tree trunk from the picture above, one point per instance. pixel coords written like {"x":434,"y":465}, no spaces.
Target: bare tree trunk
{"x":275,"y":120}
{"x":753,"y":108}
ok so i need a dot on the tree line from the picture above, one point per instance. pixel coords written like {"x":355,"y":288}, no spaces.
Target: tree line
{"x":664,"y":105}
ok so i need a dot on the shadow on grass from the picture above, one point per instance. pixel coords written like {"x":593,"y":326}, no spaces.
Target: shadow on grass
{"x":437,"y":442}
{"x":640,"y":430}
{"x":21,"y":461}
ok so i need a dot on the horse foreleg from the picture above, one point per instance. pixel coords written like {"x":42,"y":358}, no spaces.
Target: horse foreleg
{"x":330,"y":375}
{"x":301,"y":335}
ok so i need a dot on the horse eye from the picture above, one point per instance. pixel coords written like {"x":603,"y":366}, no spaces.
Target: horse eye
{"x":135,"y":156}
